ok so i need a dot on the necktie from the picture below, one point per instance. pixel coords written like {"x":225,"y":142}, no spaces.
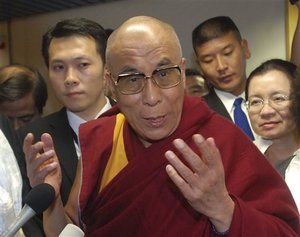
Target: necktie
{"x":240,"y":118}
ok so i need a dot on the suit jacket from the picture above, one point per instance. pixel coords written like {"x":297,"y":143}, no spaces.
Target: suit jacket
{"x":216,"y":104}
{"x":32,"y":227}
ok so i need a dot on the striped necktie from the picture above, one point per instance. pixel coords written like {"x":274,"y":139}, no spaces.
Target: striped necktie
{"x":240,"y":118}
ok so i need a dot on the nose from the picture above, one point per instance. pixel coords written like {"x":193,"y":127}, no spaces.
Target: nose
{"x":71,"y":77}
{"x":151,"y":94}
{"x":267,"y":109}
{"x":15,"y":123}
{"x":221,"y":64}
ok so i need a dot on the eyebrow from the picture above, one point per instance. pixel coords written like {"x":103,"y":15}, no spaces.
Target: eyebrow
{"x":58,"y":60}
{"x":203,"y":56}
{"x":272,"y":94}
{"x":129,"y":69}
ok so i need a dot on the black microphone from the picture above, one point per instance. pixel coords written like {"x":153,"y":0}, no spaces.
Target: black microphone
{"x":37,"y":200}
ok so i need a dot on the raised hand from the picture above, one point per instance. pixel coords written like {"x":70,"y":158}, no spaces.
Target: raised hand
{"x":202,"y":182}
{"x":41,"y":162}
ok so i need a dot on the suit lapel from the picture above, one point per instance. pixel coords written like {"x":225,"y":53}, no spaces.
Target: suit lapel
{"x":216,"y":104}
{"x":64,"y":144}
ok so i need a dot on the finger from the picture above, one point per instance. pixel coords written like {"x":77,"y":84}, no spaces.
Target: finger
{"x":48,"y":142}
{"x":27,"y":144}
{"x":41,"y":176}
{"x":203,"y":148}
{"x":180,"y":183}
{"x":182,"y":171}
{"x":175,"y":177}
{"x":193,"y":159}
{"x":40,"y":163}
{"x":209,"y":152}
{"x":28,"y":140}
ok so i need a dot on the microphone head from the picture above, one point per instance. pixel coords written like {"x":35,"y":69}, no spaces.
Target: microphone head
{"x":40,"y":197}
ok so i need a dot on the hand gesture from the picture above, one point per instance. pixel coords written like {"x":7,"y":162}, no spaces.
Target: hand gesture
{"x":42,"y":162}
{"x":202,"y":182}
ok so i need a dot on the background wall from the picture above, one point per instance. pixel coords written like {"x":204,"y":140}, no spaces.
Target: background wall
{"x":262,"y":22}
{"x":4,"y":46}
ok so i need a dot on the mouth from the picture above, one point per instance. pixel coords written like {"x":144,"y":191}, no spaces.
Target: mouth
{"x":226,"y":79}
{"x":156,"y":122}
{"x":269,"y":125}
{"x":73,"y":94}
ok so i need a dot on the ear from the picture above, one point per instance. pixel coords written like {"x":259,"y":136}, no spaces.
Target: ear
{"x":109,"y":85}
{"x":183,"y":67}
{"x":245,"y":48}
{"x":197,"y":63}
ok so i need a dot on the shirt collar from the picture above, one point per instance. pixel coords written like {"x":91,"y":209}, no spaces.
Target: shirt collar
{"x":228,"y":99}
{"x":75,"y":121}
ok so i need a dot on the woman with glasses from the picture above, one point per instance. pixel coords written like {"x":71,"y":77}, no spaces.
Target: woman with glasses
{"x":270,"y":94}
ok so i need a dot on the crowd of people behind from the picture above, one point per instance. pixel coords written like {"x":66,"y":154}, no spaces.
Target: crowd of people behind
{"x":203,"y":151}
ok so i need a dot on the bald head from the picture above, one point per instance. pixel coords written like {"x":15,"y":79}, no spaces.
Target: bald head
{"x":138,"y":31}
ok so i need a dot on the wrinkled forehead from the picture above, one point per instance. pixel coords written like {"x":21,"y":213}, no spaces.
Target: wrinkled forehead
{"x":142,"y":38}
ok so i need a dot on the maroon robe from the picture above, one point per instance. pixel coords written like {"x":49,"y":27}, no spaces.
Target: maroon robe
{"x":141,"y":200}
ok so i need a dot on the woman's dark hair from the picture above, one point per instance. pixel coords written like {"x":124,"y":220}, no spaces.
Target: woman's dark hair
{"x":286,"y":67}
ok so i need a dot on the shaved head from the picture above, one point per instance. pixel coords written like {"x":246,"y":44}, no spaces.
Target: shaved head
{"x":138,"y":30}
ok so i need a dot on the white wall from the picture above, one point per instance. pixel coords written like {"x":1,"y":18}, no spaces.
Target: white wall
{"x":262,"y":22}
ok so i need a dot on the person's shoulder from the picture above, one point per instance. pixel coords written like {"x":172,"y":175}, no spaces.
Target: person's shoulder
{"x":56,"y":116}
{"x":3,"y":121}
{"x":41,"y":124}
{"x":102,"y":121}
{"x":6,"y":127}
{"x":211,"y":95}
{"x":106,"y":120}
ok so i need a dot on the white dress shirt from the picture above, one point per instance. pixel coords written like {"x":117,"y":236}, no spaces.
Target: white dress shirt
{"x":228,"y":101}
{"x":75,"y":121}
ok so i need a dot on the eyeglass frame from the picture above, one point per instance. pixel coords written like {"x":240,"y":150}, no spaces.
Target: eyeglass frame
{"x":116,"y":82}
{"x":264,"y":102}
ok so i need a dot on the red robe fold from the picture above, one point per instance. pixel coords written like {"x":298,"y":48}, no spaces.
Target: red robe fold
{"x":141,"y":200}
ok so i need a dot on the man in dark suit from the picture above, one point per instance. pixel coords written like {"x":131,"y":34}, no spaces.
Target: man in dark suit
{"x":74,"y":52}
{"x":221,"y":55}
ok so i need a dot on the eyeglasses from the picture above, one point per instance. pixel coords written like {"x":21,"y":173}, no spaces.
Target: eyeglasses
{"x":133,"y":83}
{"x":277,"y":102}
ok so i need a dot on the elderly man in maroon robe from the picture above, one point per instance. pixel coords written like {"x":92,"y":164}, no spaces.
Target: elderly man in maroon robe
{"x":160,"y":163}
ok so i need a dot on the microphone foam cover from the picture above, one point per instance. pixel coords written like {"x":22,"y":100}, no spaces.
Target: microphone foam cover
{"x":40,"y":197}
